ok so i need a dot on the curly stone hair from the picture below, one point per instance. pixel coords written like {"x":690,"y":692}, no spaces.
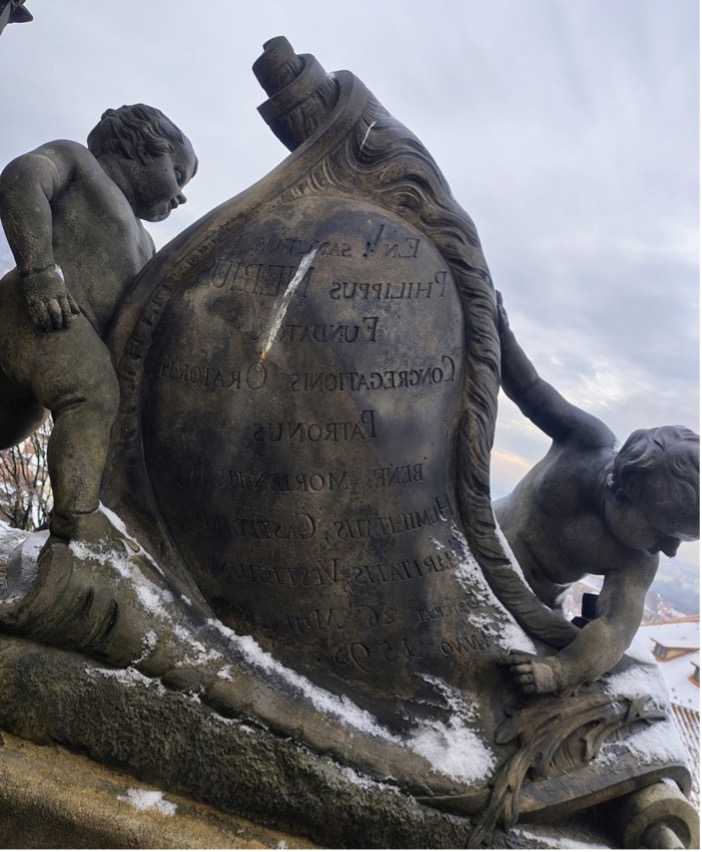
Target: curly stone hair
{"x":135,"y":132}
{"x":671,"y":454}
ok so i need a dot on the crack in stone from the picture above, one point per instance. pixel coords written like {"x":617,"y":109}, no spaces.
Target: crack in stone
{"x":285,"y":302}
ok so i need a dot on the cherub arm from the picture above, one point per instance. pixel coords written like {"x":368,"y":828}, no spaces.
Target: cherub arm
{"x":27,"y":187}
{"x":540,"y":401}
{"x":600,"y":644}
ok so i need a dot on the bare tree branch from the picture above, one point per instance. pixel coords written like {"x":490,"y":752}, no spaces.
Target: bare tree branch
{"x":25,"y":491}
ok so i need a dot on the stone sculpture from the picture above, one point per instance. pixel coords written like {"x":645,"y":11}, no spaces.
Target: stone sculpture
{"x":585,"y":509}
{"x":303,"y":550}
{"x":13,"y":12}
{"x":72,"y":219}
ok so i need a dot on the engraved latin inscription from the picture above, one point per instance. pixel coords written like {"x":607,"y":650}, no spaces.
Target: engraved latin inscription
{"x":303,"y":527}
{"x":380,"y":290}
{"x":362,"y":429}
{"x":405,"y":377}
{"x":259,"y":279}
{"x":251,"y":376}
{"x":381,"y":525}
{"x":277,"y":482}
{"x":287,"y":482}
{"x":321,"y":513}
{"x":389,"y":242}
{"x":365,"y":332}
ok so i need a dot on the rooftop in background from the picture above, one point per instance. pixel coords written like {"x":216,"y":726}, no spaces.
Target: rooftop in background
{"x":675,"y":643}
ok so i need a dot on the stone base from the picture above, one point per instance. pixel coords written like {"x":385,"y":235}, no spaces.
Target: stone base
{"x":173,"y":736}
{"x":52,"y":799}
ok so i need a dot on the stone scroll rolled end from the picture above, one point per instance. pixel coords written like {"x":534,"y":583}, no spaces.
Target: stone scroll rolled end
{"x":55,"y":598}
{"x":300,"y":92}
{"x":658,"y":816}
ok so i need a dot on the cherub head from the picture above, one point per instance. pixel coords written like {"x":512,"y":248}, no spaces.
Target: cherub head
{"x":149,"y":158}
{"x":655,"y":483}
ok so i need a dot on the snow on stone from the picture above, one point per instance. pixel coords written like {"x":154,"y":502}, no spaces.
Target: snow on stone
{"x":454,"y":748}
{"x":363,"y":781}
{"x":507,"y":634}
{"x":654,"y":744}
{"x":145,"y":800}
{"x":121,"y":528}
{"x":9,"y":539}
{"x":549,"y":837}
{"x":127,"y":677}
{"x":153,"y":599}
{"x":201,"y":654}
{"x":322,"y":700}
{"x":637,"y":682}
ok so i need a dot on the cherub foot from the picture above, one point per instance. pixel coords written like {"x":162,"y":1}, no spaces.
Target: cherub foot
{"x":534,"y":675}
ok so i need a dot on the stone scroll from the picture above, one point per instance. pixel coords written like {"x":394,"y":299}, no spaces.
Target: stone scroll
{"x":292,"y":440}
{"x":299,"y":391}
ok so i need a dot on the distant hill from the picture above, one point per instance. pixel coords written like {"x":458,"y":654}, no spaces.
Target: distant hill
{"x":679,"y":585}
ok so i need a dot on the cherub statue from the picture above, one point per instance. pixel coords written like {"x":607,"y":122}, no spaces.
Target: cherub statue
{"x":72,"y":219}
{"x":587,"y":509}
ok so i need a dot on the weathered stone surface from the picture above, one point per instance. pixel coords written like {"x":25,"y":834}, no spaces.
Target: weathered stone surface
{"x":53,"y":799}
{"x":291,"y":438}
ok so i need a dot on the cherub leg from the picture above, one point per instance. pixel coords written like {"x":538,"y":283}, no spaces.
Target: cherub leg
{"x":83,"y":417}
{"x":69,"y":372}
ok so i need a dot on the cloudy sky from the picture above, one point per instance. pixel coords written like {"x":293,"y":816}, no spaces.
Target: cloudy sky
{"x":568,"y":129}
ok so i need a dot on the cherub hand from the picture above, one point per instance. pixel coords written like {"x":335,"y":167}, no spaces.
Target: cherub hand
{"x":51,"y":306}
{"x":535,"y":675}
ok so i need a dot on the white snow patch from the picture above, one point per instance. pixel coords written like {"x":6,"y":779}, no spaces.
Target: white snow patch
{"x":150,"y":641}
{"x":454,"y":751}
{"x":557,"y":839}
{"x":9,"y":539}
{"x":121,"y":528}
{"x":639,"y":650}
{"x":322,"y":700}
{"x":507,"y":633}
{"x":655,"y":744}
{"x":109,"y":557}
{"x":153,"y":599}
{"x":363,"y":781}
{"x":128,"y":677}
{"x":201,"y":654}
{"x":225,"y":673}
{"x":145,"y":800}
{"x":285,"y":302}
{"x":637,"y":682}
